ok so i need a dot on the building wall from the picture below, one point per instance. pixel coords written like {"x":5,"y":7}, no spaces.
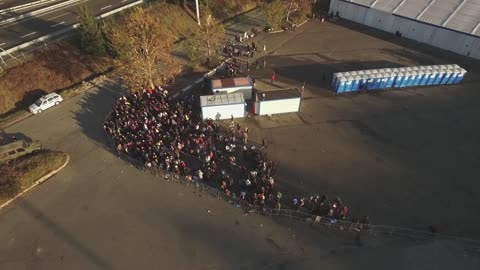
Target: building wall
{"x":221,"y":112}
{"x":436,"y":36}
{"x":278,"y":106}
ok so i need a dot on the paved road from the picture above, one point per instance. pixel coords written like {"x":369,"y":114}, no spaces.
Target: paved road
{"x":10,"y":3}
{"x":101,"y":213}
{"x":25,"y":30}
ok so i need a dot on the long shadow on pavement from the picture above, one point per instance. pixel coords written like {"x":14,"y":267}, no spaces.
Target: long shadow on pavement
{"x":63,"y":234}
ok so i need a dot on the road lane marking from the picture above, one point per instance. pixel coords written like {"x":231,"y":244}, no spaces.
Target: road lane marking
{"x":59,"y":16}
{"x":57,"y":24}
{"x":2,"y":44}
{"x":124,"y":1}
{"x":29,"y":34}
{"x":105,"y":7}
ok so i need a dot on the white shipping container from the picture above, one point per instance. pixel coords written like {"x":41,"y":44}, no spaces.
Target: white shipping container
{"x":277,"y":101}
{"x":222,"y":106}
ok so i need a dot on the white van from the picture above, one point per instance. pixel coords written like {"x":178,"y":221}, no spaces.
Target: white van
{"x":45,"y":102}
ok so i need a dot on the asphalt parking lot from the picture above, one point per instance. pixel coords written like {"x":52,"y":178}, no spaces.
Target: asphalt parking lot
{"x":404,"y":157}
{"x":383,"y":153}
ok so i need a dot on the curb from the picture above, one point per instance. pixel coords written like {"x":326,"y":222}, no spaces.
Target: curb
{"x":40,"y":181}
{"x":15,"y":120}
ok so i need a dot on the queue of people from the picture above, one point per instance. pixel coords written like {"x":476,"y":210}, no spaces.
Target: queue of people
{"x":169,"y":135}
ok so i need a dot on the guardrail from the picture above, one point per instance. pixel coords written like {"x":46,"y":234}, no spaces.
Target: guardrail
{"x":64,"y":30}
{"x":38,"y":11}
{"x":316,"y":220}
{"x":24,"y":6}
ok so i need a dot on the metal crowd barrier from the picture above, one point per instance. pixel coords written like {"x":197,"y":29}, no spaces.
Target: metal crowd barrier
{"x":325,"y":222}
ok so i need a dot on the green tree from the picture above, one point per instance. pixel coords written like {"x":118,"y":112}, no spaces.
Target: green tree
{"x":274,"y":13}
{"x":91,"y":36}
{"x":205,"y":39}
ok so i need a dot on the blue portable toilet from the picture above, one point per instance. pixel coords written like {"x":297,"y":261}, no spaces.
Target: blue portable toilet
{"x":451,"y":67}
{"x":421,"y":74}
{"x":353,"y":73}
{"x":426,"y":76}
{"x":363,"y":82}
{"x":390,"y":79}
{"x":398,"y":79}
{"x":452,"y":78}
{"x":415,"y":68}
{"x":346,"y":74}
{"x":413,"y":77}
{"x":371,"y":81}
{"x":360,"y":72}
{"x":377,"y":80}
{"x":367,"y":72}
{"x":406,"y":79}
{"x":446,"y":77}
{"x":356,"y":83}
{"x":439,"y":77}
{"x":340,"y":85}
{"x":460,"y":76}
{"x":417,"y":77}
{"x":433,"y":76}
{"x":383,"y":80}
{"x":334,"y":78}
{"x":436,"y":67}
{"x":408,"y":69}
{"x":402,"y":69}
{"x":349,"y":83}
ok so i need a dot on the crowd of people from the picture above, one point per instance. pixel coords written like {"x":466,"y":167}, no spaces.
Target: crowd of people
{"x":232,"y":49}
{"x":169,"y":135}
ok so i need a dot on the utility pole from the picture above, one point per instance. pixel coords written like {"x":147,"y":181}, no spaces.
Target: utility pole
{"x":198,"y":12}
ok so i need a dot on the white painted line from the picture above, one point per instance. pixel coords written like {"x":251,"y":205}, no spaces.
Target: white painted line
{"x":109,"y":6}
{"x":59,"y":16}
{"x":123,"y":1}
{"x":57,"y":24}
{"x":2,"y":44}
{"x":29,"y":34}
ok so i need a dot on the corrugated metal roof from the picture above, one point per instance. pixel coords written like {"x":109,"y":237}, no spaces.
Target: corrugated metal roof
{"x":222,"y":99}
{"x":226,"y":83}
{"x":460,"y":15}
{"x":467,"y":17}
{"x":387,"y":6}
{"x":412,"y":8}
{"x":439,"y":11}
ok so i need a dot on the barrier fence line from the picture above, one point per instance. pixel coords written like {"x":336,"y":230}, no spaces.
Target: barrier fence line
{"x":27,"y":5}
{"x":329,"y":223}
{"x":64,"y":30}
{"x":38,"y":11}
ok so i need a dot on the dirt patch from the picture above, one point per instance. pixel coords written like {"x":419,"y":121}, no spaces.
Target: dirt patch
{"x":54,"y":69}
{"x":21,"y":173}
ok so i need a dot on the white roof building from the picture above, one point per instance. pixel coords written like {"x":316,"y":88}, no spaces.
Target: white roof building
{"x":448,"y":20}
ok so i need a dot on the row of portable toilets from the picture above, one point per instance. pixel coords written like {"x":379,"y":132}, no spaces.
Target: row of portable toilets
{"x":397,"y":77}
